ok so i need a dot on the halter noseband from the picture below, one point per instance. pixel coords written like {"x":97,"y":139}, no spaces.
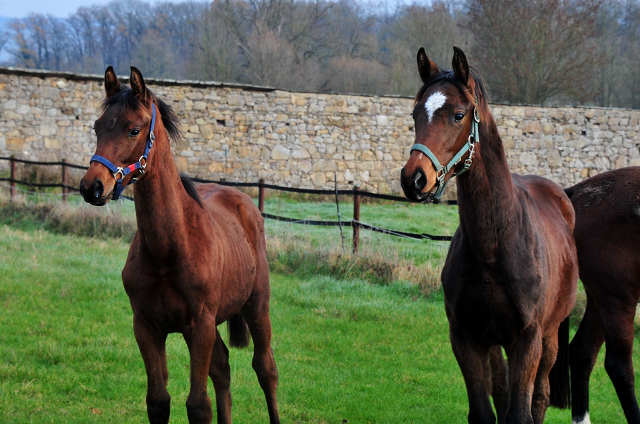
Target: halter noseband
{"x":140,"y":165}
{"x":469,"y":146}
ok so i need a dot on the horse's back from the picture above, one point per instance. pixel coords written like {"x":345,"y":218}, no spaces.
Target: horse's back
{"x":608,"y":225}
{"x":612,"y":193}
{"x":607,"y":206}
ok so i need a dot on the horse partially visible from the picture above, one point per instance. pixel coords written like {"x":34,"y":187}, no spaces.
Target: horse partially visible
{"x":511,"y":273}
{"x":197,"y":260}
{"x":607,"y":235}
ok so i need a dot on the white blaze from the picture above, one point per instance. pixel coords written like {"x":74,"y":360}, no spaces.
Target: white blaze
{"x":434,"y":102}
{"x":584,"y":420}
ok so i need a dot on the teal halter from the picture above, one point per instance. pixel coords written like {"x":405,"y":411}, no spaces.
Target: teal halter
{"x":470,"y":145}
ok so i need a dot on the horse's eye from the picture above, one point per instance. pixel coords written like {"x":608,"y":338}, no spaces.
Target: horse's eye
{"x":459,"y":116}
{"x":134,"y":133}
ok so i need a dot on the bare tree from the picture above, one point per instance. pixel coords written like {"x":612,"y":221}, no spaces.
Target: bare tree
{"x":24,"y":52}
{"x":436,"y":27}
{"x":215,"y":54}
{"x":357,"y":76}
{"x":535,"y":51}
{"x":629,"y":48}
{"x":4,"y":37}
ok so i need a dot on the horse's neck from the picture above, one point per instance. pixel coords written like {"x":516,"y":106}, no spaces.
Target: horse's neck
{"x":487,"y":202}
{"x":160,"y":213}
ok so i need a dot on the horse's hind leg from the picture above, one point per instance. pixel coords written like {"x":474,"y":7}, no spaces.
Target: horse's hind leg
{"x":583,"y":353}
{"x":221,"y":377}
{"x":152,"y":347}
{"x":499,"y":391}
{"x":256,"y":314}
{"x":619,"y":333}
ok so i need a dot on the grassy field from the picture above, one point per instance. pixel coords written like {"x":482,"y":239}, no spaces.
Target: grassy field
{"x":346,"y":349}
{"x":293,"y":248}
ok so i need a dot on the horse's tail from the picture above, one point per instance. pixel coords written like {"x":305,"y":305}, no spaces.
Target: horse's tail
{"x":239,"y":335}
{"x":559,"y":375}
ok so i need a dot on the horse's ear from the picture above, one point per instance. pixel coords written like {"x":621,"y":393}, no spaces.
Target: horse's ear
{"x":111,"y":83}
{"x":460,"y":65}
{"x":137,"y":84}
{"x":426,"y":67}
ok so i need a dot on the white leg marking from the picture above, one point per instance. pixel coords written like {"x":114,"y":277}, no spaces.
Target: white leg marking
{"x":434,"y":102}
{"x":583,"y":420}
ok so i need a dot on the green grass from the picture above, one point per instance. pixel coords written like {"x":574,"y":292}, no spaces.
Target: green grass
{"x":345,"y":349}
{"x":292,"y":248}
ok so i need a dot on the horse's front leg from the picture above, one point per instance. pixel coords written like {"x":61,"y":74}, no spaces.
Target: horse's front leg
{"x":499,"y":391}
{"x":200,"y":338}
{"x":151,"y":343}
{"x":542,"y":390}
{"x":523,"y":358}
{"x":473,"y":360}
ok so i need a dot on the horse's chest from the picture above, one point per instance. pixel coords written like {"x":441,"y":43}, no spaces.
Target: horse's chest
{"x":492,"y":304}
{"x":157,"y":297}
{"x":486,"y":312}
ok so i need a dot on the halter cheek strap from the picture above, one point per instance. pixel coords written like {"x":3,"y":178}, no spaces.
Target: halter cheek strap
{"x":469,"y":146}
{"x":118,"y":172}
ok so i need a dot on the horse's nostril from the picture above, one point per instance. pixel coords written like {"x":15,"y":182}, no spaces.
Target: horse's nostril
{"x":98,"y":189}
{"x":419,"y":180}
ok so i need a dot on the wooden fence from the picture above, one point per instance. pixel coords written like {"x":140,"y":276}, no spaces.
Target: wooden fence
{"x":355,"y":193}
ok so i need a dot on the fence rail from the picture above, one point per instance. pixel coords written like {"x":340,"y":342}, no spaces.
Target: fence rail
{"x":356,"y":193}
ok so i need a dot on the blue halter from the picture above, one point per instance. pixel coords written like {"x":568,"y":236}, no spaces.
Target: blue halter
{"x":470,"y":145}
{"x":140,"y":165}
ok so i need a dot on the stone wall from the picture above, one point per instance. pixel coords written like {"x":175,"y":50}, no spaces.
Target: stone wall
{"x":243,"y":133}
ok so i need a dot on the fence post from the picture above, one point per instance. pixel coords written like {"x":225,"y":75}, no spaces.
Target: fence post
{"x":356,"y":218}
{"x":13,"y":176}
{"x":261,"y":195}
{"x":64,"y":180}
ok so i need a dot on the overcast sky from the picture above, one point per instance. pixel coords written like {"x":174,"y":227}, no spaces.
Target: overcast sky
{"x":64,"y":8}
{"x":58,"y":8}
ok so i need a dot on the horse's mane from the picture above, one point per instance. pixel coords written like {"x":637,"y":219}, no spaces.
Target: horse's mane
{"x":450,"y":76}
{"x":190,"y":188}
{"x":126,"y":98}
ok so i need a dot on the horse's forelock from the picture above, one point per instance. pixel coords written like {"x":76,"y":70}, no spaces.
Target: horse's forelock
{"x":450,"y":76}
{"x":126,"y":99}
{"x":123,"y":98}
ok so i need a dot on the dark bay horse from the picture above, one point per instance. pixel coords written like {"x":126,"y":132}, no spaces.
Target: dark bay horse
{"x":607,"y":235}
{"x":511,"y":273}
{"x":197,"y":260}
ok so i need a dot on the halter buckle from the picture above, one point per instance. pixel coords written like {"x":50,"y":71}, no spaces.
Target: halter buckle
{"x":143,"y":165}
{"x":119,"y":170}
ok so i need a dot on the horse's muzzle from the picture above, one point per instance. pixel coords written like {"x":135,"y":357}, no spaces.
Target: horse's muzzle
{"x":412,"y":185}
{"x":94,"y":194}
